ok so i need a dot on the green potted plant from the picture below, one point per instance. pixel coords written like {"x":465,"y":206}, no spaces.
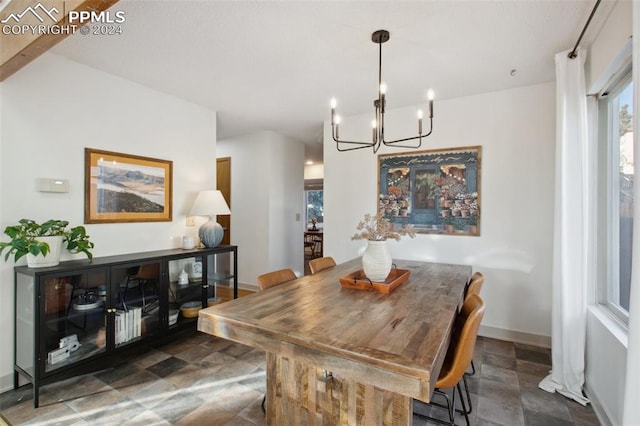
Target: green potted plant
{"x":41,"y":243}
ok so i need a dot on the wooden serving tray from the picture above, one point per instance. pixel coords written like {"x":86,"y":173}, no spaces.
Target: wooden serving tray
{"x":357,"y":280}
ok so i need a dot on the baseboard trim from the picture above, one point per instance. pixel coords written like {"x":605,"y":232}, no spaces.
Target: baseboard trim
{"x":6,"y":382}
{"x":248,"y":287}
{"x":598,"y":408}
{"x":515,"y":336}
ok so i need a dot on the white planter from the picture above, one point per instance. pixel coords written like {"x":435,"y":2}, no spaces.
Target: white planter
{"x":52,"y":258}
{"x":376,"y":261}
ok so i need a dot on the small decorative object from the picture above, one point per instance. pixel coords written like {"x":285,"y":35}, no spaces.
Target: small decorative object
{"x":41,"y":243}
{"x":376,"y":260}
{"x":210,"y":203}
{"x":196,"y":271}
{"x":173,"y":316}
{"x":183,"y":278}
{"x":314,"y":221}
{"x":188,"y":242}
{"x":190,"y":309}
{"x":358,"y":281}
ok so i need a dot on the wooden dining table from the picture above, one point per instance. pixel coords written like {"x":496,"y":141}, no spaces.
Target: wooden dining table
{"x":343,"y":356}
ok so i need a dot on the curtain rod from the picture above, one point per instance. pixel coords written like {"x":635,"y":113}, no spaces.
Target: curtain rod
{"x":573,"y":54}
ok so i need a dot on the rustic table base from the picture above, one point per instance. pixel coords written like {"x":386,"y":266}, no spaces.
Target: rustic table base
{"x":303,"y":394}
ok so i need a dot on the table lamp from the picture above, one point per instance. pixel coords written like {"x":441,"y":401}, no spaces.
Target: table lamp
{"x":210,"y":203}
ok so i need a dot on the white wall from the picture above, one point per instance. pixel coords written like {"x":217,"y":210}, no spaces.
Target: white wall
{"x":516,"y":129}
{"x":314,"y":171}
{"x":54,"y":108}
{"x":266,"y":194}
{"x":606,"y":350}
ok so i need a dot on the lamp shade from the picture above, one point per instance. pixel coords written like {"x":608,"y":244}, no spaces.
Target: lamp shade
{"x":210,"y":203}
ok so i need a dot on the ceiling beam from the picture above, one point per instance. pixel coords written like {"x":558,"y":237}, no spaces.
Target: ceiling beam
{"x":19,"y":47}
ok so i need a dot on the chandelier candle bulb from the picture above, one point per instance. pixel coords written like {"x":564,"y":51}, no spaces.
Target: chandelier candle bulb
{"x":333,"y":110}
{"x":430,"y":96}
{"x":375,"y":132}
{"x":419,"y":121}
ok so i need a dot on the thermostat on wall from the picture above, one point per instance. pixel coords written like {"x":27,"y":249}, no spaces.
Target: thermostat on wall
{"x":52,"y":185}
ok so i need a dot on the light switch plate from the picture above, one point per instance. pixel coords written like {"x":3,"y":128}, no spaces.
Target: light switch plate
{"x":52,"y":185}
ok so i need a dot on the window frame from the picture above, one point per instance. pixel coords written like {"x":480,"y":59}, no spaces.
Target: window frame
{"x":609,"y":143}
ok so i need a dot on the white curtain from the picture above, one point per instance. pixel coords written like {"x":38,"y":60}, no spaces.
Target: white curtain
{"x":631,"y":413}
{"x":571,"y":231}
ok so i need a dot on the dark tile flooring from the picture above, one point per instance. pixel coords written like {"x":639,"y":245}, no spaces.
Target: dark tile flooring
{"x":203,"y":380}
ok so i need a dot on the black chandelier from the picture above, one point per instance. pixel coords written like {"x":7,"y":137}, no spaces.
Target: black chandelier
{"x":379,"y":37}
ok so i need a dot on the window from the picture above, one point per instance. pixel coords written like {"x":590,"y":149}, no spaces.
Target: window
{"x":314,"y":201}
{"x":616,"y":110}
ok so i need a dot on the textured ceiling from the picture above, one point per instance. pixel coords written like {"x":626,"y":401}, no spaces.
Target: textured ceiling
{"x":274,"y":65}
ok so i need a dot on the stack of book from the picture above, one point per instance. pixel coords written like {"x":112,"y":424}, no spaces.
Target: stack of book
{"x":128,"y":324}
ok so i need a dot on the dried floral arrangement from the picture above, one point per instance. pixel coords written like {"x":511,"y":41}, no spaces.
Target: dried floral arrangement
{"x":379,"y":228}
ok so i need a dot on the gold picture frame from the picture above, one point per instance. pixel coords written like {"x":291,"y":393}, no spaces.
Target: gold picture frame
{"x":127,"y":188}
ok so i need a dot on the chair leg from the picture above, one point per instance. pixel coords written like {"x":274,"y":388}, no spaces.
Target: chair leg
{"x":464,"y":408}
{"x":450,"y":408}
{"x":466,"y":389}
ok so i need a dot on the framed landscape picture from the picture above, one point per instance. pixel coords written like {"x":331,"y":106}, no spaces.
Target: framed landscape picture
{"x":126,"y":188}
{"x":436,"y":191}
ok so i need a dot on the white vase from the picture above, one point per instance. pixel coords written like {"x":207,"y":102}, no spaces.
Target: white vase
{"x":52,"y":258}
{"x":376,"y":261}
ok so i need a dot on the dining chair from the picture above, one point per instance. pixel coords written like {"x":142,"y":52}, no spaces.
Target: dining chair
{"x":274,"y":278}
{"x":474,"y":285}
{"x":458,"y":357}
{"x":321,"y":263}
{"x":309,"y":246}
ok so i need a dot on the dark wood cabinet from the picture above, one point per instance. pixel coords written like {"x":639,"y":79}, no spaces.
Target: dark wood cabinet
{"x":75,"y":313}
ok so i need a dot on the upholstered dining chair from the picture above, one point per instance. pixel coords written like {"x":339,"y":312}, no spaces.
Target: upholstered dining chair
{"x":459,"y":356}
{"x":274,"y":278}
{"x":474,"y":285}
{"x":321,"y":263}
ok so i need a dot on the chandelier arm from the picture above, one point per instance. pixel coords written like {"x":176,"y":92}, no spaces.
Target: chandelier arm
{"x":393,"y":143}
{"x":361,"y":145}
{"x":354,"y":148}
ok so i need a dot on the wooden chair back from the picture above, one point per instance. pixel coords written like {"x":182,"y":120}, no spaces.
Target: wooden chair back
{"x":274,"y":278}
{"x":321,"y":263}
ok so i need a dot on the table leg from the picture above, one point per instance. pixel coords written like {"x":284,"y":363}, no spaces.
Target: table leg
{"x":301,"y":393}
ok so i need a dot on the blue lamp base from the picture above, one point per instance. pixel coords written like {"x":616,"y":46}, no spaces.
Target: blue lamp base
{"x":211,"y":233}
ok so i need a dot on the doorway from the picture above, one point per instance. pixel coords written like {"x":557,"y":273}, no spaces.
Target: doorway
{"x":223,"y":179}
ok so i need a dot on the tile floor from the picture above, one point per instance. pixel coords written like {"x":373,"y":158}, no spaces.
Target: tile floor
{"x":203,"y":380}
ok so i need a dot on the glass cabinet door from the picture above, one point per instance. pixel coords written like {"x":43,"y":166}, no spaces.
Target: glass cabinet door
{"x":73,"y":312}
{"x":134,"y":303}
{"x":185,"y":289}
{"x":219,"y":285}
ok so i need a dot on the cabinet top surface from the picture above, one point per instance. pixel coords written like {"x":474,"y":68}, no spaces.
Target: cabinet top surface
{"x":166,"y":254}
